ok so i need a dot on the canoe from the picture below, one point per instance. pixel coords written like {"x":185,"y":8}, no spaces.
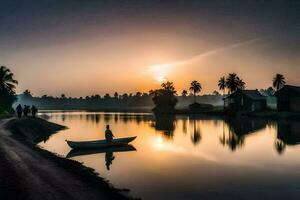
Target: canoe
{"x":99,"y":143}
{"x":112,"y":149}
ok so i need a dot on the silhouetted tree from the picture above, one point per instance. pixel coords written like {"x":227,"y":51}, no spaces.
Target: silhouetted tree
{"x":278,"y":81}
{"x":97,"y":96}
{"x":125,"y":96}
{"x":164,"y":98}
{"x":233,"y":82}
{"x":27,"y":94}
{"x":240,"y":84}
{"x":151,"y":92}
{"x":222,"y":84}
{"x":184,"y":93}
{"x":106,"y":96}
{"x":195,"y":88}
{"x":7,"y":81}
{"x":138,"y":94}
{"x":116,"y":95}
{"x":215,"y":92}
{"x":7,"y":88}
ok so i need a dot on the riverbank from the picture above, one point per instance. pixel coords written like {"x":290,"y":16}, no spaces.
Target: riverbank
{"x":29,"y":172}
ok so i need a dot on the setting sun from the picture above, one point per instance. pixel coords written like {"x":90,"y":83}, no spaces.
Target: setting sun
{"x":159,"y":72}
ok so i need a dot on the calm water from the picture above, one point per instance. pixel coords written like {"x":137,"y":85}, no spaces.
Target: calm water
{"x":184,"y":157}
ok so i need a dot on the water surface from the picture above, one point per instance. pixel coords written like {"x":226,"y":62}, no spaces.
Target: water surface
{"x":189,"y":157}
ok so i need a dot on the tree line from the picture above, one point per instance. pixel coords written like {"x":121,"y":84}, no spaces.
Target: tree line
{"x":233,"y":82}
{"x":164,"y":98}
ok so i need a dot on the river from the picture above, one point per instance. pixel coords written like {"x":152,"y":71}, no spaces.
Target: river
{"x":183,"y":157}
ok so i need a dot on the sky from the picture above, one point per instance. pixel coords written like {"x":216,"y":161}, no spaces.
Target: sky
{"x":90,"y":47}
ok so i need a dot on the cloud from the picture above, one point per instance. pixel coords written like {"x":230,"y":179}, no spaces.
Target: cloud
{"x":160,"y":72}
{"x":214,"y":51}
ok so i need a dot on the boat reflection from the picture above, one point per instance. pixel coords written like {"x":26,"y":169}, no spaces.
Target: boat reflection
{"x":109,"y":152}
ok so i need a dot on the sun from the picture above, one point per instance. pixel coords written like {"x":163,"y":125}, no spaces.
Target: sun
{"x":159,"y":72}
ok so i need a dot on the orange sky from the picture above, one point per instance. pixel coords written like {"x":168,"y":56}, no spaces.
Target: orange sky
{"x":87,"y":54}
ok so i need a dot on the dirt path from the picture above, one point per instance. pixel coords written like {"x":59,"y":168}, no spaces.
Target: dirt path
{"x":27,"y":175}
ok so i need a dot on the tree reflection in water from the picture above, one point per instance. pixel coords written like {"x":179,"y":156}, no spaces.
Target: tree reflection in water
{"x":184,"y":126}
{"x":238,"y":130}
{"x":196,"y":136}
{"x":288,"y":134}
{"x":279,"y":146}
{"x":222,"y":139}
{"x":234,"y":141}
{"x":164,"y":123}
{"x":234,"y":134}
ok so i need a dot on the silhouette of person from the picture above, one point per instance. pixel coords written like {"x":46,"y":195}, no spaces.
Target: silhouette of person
{"x":34,"y":110}
{"x":108,"y":134}
{"x":109,"y":157}
{"x":19,"y":110}
{"x":26,"y":110}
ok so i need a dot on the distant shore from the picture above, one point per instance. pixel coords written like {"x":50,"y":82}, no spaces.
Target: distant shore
{"x":133,"y":110}
{"x":217,"y":112}
{"x":29,"y":172}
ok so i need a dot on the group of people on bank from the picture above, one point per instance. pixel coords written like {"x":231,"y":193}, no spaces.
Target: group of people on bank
{"x":26,"y":110}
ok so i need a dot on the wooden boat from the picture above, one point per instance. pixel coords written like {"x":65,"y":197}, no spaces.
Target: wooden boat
{"x":99,"y":143}
{"x":112,"y":149}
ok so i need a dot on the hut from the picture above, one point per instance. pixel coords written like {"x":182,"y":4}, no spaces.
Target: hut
{"x":245,"y":100}
{"x":288,"y":99}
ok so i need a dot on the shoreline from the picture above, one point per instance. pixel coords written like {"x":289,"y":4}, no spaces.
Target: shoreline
{"x":268,"y":114}
{"x":21,"y":154}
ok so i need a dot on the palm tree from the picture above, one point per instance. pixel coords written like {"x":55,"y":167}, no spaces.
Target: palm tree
{"x":7,"y":81}
{"x":184,"y":93}
{"x":195,"y":88}
{"x":222,"y":84}
{"x":240,"y":83}
{"x":278,"y":81}
{"x":231,"y":82}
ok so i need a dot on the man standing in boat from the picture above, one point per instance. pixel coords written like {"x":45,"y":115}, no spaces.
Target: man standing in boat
{"x":108,"y":134}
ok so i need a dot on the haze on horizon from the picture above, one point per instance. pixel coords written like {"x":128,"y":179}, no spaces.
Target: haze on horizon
{"x":81,"y":48}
